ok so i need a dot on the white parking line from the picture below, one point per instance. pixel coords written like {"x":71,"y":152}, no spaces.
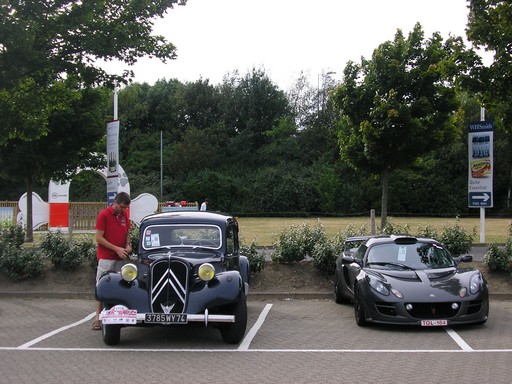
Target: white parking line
{"x":244,"y":346}
{"x":50,"y":334}
{"x":189,"y":350}
{"x":459,"y":340}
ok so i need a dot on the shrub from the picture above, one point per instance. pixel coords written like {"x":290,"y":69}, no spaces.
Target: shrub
{"x":20,"y":264}
{"x":427,"y":231}
{"x":256,"y":260}
{"x":456,"y":239}
{"x":324,"y":257}
{"x":326,"y":251}
{"x":134,"y":238}
{"x":84,"y":249}
{"x":497,"y":258}
{"x":60,"y":251}
{"x":11,"y":234}
{"x":297,"y":242}
{"x":393,"y":229}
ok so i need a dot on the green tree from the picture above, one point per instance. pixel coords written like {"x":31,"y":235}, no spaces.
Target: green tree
{"x":72,"y":134}
{"x":490,"y":27}
{"x":400,"y":104}
{"x":43,"y":43}
{"x":251,"y":106}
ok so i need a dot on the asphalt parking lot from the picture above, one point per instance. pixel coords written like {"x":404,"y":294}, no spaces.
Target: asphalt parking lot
{"x":287,"y":341}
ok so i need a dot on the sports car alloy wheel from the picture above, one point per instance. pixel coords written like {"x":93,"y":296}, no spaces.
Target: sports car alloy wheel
{"x":359,"y":308}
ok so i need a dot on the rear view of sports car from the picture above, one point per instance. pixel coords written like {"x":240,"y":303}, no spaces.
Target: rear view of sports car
{"x":409,"y":280}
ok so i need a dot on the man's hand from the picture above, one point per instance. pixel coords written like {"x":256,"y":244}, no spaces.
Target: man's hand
{"x":123,"y":253}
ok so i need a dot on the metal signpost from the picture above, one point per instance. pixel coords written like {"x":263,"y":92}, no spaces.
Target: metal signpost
{"x":480,"y":174}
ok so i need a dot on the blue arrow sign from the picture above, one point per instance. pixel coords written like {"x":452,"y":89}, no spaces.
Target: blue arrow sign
{"x":480,"y":199}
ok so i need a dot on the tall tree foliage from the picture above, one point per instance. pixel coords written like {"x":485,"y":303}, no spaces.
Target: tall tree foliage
{"x":490,"y":27}
{"x":44,"y":41}
{"x":49,"y":50}
{"x":400,"y":104}
{"x":72,"y":133}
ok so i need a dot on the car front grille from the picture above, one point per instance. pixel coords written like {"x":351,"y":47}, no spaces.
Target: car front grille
{"x":432,"y":310}
{"x":169,"y":282}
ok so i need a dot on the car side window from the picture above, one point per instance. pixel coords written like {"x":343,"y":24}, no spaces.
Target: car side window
{"x":230,"y":241}
{"x":359,"y":254}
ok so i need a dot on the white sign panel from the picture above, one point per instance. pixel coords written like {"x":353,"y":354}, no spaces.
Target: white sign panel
{"x":480,"y":175}
{"x":112,"y":160}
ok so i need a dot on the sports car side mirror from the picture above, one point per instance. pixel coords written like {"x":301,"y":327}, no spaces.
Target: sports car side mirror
{"x":464,"y":259}
{"x":350,"y":260}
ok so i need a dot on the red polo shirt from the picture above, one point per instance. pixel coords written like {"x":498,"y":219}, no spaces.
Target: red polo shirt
{"x":115,"y":230}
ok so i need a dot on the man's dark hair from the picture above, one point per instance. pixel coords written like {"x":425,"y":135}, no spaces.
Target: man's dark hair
{"x":122,"y":198}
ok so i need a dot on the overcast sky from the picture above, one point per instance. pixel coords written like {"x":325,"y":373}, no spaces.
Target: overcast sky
{"x":285,"y":37}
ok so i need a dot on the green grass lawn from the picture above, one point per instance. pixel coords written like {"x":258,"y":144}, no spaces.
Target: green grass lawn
{"x":264,"y":230}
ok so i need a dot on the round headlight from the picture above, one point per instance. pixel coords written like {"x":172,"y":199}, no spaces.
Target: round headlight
{"x":378,"y":286}
{"x":475,"y":284}
{"x":206,"y":272}
{"x":129,"y":272}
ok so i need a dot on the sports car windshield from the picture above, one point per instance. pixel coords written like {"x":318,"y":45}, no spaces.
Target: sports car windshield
{"x":191,"y":235}
{"x":409,"y":256}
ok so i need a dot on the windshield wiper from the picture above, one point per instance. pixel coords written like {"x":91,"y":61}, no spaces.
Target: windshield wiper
{"x":391,"y":263}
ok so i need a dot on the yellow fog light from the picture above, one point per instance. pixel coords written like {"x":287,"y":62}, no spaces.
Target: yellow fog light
{"x":206,"y":272}
{"x":129,"y":272}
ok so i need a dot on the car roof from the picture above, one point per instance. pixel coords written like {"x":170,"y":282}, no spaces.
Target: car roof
{"x":188,"y":217}
{"x":398,"y":239}
{"x":362,"y":237}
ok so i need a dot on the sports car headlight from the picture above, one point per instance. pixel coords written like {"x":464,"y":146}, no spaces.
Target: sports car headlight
{"x":475,"y":283}
{"x":129,"y":272}
{"x":206,"y":272}
{"x":378,"y":286}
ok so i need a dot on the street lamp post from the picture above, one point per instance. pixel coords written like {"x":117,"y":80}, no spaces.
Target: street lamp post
{"x":324,"y":75}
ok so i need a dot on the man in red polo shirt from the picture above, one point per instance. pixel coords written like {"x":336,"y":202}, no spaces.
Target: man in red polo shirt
{"x":113,"y":238}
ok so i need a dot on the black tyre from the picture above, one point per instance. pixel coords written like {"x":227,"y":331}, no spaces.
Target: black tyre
{"x":233,"y":333}
{"x":110,"y":333}
{"x":338,"y":296}
{"x":359,"y":308}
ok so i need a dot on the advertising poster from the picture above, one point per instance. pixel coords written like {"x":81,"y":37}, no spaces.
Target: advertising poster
{"x":112,"y":160}
{"x":480,"y":175}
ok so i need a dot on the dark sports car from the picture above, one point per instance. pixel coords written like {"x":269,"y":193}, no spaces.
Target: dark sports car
{"x":189,"y":269}
{"x":409,"y":280}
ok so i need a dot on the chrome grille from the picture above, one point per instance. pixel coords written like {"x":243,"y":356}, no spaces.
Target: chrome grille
{"x":169,"y":282}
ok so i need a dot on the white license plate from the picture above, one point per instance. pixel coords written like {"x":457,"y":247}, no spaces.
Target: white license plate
{"x":434,"y":323}
{"x":166,"y":318}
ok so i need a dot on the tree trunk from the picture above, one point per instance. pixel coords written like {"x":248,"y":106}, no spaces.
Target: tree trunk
{"x":384,"y":201}
{"x":29,"y":237}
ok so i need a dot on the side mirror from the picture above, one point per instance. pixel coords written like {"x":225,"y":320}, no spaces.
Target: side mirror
{"x":464,"y":259}
{"x":349,"y":260}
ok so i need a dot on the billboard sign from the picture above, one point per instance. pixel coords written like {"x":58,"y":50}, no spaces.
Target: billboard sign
{"x":480,"y":173}
{"x":112,"y":160}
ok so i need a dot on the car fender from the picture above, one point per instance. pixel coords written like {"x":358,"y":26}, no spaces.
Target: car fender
{"x":224,"y":289}
{"x":245,"y":271}
{"x":112,"y":289}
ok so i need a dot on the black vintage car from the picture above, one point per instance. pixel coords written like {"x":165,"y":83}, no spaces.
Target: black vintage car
{"x":408,"y":280}
{"x":189,"y":269}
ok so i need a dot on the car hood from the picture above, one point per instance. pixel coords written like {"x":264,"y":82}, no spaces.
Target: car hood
{"x":429,"y":283}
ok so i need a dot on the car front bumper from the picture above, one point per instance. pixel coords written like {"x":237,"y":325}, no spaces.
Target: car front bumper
{"x":121,"y":315}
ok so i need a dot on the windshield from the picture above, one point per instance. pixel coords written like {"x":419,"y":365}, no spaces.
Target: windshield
{"x":405,"y":256}
{"x":191,"y":235}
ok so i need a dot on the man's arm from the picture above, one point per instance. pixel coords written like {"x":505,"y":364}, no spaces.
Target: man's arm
{"x":123,"y":253}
